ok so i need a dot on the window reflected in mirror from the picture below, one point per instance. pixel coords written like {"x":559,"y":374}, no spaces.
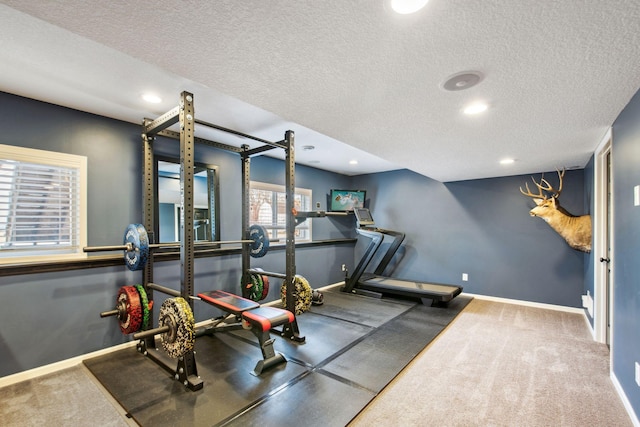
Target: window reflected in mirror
{"x":205,"y":201}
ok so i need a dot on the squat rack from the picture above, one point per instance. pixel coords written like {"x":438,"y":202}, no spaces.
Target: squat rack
{"x":184,"y":114}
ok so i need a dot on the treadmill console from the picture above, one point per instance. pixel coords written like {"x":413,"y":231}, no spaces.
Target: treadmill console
{"x":363,"y":217}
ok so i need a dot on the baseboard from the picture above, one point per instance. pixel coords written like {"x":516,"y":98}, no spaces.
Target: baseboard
{"x":625,"y":401}
{"x":58,"y":366}
{"x":528,"y":303}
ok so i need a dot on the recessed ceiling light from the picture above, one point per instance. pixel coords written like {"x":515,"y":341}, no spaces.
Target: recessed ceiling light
{"x":475,"y":108}
{"x":308,"y":147}
{"x":507,"y":161}
{"x":405,"y":7}
{"x":353,"y":162}
{"x":151,"y":98}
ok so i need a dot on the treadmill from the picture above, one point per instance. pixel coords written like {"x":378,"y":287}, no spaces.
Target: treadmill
{"x":377,"y":283}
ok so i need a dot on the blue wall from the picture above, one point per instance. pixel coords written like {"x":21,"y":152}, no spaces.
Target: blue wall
{"x":481,"y":228}
{"x":626,"y":247}
{"x":49,"y":317}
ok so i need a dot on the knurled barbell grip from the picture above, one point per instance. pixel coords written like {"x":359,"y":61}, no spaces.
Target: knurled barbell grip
{"x":127,"y":247}
{"x":151,"y":332}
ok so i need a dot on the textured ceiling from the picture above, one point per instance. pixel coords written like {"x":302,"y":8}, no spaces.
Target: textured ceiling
{"x":352,"y":76}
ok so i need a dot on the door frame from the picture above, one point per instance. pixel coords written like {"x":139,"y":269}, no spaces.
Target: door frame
{"x":600,"y":297}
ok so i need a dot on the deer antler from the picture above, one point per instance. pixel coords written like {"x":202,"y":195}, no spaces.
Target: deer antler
{"x":540,"y":194}
{"x":544,"y":186}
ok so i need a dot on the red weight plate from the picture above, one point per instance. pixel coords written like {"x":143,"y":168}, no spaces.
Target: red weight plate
{"x":131,"y":320}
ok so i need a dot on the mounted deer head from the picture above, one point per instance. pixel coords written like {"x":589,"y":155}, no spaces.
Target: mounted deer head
{"x":576,"y":230}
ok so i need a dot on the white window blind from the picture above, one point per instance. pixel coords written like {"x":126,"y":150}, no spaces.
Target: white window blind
{"x":268,"y":208}
{"x":42,"y":208}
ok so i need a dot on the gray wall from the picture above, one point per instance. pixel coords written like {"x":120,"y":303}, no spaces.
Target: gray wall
{"x":481,"y":228}
{"x":624,"y":261}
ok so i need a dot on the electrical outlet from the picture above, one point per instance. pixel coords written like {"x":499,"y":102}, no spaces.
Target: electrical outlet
{"x":317,"y":205}
{"x":638,"y":374}
{"x":465,"y":277}
{"x":344,"y":267}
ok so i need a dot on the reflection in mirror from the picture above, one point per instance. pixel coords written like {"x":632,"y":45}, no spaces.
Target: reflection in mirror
{"x":205,"y":200}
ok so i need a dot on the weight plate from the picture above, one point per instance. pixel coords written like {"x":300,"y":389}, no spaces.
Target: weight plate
{"x":136,"y":235}
{"x":302,"y":294}
{"x":265,"y":284}
{"x":245,"y":285}
{"x":317,"y":298}
{"x":131,"y":315}
{"x":260,"y":245}
{"x":259,"y":286}
{"x":146,"y":309}
{"x":251,"y":286}
{"x":181,"y":338}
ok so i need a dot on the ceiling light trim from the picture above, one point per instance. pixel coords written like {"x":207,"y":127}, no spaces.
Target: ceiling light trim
{"x":462,"y":81}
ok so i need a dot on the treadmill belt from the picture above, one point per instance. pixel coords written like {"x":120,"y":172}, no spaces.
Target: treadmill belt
{"x":443,"y":292}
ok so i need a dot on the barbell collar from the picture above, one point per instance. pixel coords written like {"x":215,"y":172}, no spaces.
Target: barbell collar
{"x":151,"y":332}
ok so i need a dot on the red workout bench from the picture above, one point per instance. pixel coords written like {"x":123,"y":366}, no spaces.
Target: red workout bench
{"x":260,"y":320}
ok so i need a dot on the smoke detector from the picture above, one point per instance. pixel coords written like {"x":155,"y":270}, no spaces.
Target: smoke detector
{"x":462,"y":81}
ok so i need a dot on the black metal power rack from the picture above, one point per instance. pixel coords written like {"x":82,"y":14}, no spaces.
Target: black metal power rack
{"x":184,"y":115}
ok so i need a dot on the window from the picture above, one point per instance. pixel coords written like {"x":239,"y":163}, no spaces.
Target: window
{"x":268,"y":208}
{"x":42,"y":205}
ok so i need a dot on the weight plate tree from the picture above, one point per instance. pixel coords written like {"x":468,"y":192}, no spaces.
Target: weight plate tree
{"x":181,"y":336}
{"x":302,"y":294}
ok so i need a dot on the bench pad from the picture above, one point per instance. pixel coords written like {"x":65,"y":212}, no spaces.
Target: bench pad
{"x":266,"y":318}
{"x":228,"y":302}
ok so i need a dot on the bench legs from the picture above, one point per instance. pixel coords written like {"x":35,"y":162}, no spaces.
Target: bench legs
{"x":269,"y":356}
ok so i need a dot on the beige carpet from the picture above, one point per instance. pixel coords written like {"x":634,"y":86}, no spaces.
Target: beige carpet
{"x":504,"y":365}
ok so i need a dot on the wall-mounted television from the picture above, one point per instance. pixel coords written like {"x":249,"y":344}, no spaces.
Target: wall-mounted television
{"x":346,"y":200}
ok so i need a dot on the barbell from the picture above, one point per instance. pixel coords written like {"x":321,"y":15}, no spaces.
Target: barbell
{"x":136,"y":245}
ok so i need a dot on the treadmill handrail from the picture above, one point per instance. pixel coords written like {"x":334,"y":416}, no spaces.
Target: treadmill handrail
{"x":376,"y":239}
{"x":398,"y":238}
